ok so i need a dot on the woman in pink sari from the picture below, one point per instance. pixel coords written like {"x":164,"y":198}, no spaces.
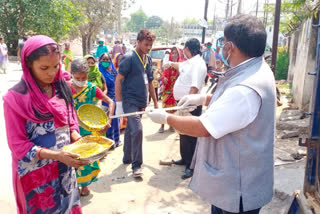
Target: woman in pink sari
{"x":40,"y":120}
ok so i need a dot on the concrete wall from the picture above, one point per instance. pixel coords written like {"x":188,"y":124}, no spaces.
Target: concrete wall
{"x":302,"y":60}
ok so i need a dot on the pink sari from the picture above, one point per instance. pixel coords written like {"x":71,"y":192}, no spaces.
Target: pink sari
{"x":33,"y":120}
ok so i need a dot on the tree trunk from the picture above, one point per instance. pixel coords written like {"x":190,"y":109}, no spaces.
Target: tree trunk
{"x":89,"y":43}
{"x":84,"y":44}
{"x":20,"y":19}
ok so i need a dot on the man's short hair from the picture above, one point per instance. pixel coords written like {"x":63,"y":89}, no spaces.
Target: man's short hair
{"x":146,"y":35}
{"x":247,"y":33}
{"x":194,"y":46}
{"x":1,"y":38}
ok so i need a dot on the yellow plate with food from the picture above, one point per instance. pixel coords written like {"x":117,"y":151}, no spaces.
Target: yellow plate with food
{"x":90,"y":147}
{"x":92,"y":117}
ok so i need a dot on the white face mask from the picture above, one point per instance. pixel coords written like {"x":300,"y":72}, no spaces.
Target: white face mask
{"x":79,"y":83}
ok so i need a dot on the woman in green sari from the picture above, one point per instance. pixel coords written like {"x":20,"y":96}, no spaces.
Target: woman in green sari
{"x":85,"y":92}
{"x":95,"y":75}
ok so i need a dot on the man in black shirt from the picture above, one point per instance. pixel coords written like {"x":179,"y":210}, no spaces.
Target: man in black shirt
{"x":133,"y":82}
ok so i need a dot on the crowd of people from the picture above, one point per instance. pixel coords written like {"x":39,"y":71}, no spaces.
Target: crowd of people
{"x":229,"y":154}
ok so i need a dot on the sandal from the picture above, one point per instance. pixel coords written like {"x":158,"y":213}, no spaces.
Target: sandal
{"x":85,"y":191}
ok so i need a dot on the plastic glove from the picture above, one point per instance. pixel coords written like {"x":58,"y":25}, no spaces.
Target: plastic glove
{"x":158,"y":116}
{"x":192,"y":100}
{"x":119,"y":109}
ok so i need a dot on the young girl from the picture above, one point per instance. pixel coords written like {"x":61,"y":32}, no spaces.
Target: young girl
{"x":40,"y":120}
{"x":85,"y":92}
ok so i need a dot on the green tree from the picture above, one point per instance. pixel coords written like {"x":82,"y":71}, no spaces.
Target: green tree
{"x":137,"y":21}
{"x":190,"y":21}
{"x":154,"y":22}
{"x":293,"y":13}
{"x":282,"y":64}
{"x":55,"y":18}
{"x":168,"y":32}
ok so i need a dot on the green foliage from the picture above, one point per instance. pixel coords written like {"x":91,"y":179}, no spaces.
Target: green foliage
{"x":137,"y":21}
{"x":154,"y":22}
{"x":293,"y":13}
{"x":190,"y":21}
{"x":167,"y":32}
{"x":282,"y":65}
{"x":55,"y":18}
{"x":58,"y":19}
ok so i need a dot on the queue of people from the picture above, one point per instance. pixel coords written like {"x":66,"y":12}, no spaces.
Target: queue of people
{"x":229,"y":154}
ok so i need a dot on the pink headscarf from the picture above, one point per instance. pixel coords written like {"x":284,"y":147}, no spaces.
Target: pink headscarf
{"x":28,"y":103}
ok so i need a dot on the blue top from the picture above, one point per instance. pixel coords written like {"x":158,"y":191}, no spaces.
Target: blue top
{"x":100,"y":50}
{"x":136,"y":78}
{"x":110,"y":79}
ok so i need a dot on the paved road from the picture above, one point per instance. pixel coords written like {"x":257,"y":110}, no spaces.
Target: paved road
{"x":161,"y":190}
{"x":7,"y":201}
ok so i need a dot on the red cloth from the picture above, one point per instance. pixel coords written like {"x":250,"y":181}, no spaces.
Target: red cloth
{"x":171,"y":75}
{"x":99,"y":93}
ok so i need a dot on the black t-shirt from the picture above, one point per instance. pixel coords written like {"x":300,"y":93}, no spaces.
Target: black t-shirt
{"x":136,"y":79}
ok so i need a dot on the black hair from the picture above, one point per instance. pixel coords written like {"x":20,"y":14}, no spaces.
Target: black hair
{"x":194,"y":46}
{"x":247,"y":33}
{"x":24,"y":38}
{"x":102,"y":55}
{"x":146,"y":35}
{"x":1,"y":38}
{"x":63,"y":91}
{"x":79,"y":66}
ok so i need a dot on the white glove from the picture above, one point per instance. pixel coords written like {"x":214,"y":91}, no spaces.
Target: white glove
{"x":119,"y":109}
{"x":158,"y":116}
{"x":192,"y":100}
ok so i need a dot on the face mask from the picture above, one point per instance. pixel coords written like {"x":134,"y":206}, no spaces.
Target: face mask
{"x":154,"y":67}
{"x":208,"y":46}
{"x":225,"y":60}
{"x":79,"y":83}
{"x":105,"y":64}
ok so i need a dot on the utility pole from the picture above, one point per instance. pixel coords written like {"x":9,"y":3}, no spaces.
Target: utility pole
{"x":266,"y":13}
{"x":205,"y":18}
{"x":214,"y":19}
{"x":239,"y":7}
{"x":231,"y":8}
{"x":257,"y":8}
{"x":275,"y":35}
{"x":227,"y":9}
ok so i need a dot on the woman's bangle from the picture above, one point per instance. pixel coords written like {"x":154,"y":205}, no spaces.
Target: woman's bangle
{"x":39,"y":154}
{"x":77,"y":139}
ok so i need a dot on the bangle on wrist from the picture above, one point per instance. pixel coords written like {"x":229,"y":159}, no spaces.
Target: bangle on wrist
{"x":77,"y":139}
{"x":39,"y":154}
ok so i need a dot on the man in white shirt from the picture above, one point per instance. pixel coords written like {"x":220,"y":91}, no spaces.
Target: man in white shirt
{"x":233,"y":161}
{"x":191,"y":78}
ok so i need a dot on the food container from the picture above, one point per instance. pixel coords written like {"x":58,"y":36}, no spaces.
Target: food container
{"x":90,"y":147}
{"x":92,"y":117}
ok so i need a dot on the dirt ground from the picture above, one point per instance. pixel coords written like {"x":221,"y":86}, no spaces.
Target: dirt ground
{"x":160,"y":191}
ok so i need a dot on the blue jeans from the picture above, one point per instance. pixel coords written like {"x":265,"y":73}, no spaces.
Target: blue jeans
{"x":216,"y":210}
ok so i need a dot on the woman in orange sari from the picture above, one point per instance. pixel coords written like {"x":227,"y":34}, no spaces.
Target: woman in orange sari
{"x":169,"y":77}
